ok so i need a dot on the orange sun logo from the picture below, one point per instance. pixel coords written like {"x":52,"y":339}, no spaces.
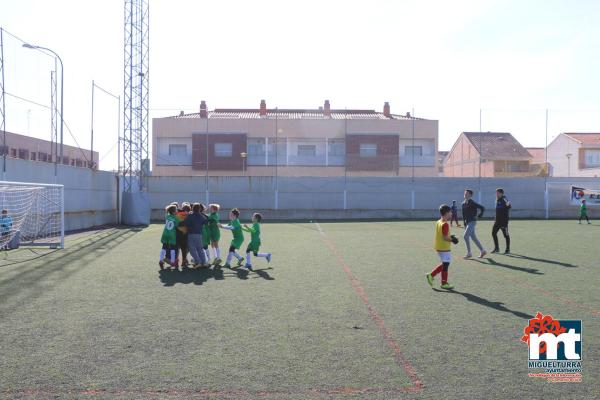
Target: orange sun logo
{"x":542,"y":324}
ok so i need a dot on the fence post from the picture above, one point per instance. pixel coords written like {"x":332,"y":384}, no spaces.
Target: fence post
{"x":276,"y":199}
{"x":345,"y":199}
{"x":546,"y":200}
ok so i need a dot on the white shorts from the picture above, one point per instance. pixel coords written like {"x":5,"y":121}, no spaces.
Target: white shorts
{"x":445,"y":256}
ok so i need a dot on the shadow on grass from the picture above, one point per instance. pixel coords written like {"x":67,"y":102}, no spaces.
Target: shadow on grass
{"x":34,"y":277}
{"x":496,"y":305}
{"x":491,"y":261}
{"x":200,"y":276}
{"x":542,"y":260}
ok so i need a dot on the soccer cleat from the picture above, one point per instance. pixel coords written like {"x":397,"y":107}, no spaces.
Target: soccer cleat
{"x":468,"y":255}
{"x":269,"y":257}
{"x":240,"y":262}
{"x":579,"y":222}
{"x":483,"y":254}
{"x":225,"y":266}
{"x":161,"y":264}
{"x":429,"y":279}
{"x":507,"y":251}
{"x":248,"y":267}
{"x":447,"y":286}
{"x":217,"y":262}
{"x":495,"y":251}
{"x":589,"y":223}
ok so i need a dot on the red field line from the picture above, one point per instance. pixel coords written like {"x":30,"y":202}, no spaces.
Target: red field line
{"x":206,"y":393}
{"x":401,"y":360}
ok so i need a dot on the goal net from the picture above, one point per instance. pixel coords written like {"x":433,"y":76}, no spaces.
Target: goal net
{"x":32,"y":214}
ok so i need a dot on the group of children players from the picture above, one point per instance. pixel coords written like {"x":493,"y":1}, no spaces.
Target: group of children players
{"x":194,"y":229}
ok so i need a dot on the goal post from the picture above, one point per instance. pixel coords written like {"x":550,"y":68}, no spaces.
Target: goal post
{"x":32,"y":214}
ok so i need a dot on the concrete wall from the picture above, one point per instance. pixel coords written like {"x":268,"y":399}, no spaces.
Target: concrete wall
{"x":90,"y":196}
{"x":356,"y":197}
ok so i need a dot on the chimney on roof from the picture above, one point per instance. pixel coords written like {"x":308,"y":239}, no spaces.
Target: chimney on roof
{"x":203,"y":110}
{"x":263,"y":108}
{"x":408,"y":114}
{"x":181,"y":113}
{"x":327,"y":109}
{"x":386,"y":109}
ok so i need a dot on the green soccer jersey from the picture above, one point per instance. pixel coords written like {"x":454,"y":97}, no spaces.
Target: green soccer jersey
{"x":214,"y":233}
{"x":583,"y":210}
{"x":168,"y":235}
{"x":238,"y":235}
{"x":254,"y":233}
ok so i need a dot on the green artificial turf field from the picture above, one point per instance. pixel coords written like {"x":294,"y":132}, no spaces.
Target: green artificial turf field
{"x":342,"y":311}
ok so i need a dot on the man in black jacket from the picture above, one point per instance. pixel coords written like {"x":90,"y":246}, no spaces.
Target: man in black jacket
{"x":195,"y":222}
{"x":470,"y":212}
{"x":501,"y":221}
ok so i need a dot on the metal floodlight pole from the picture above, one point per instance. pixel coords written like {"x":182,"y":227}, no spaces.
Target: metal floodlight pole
{"x":2,"y":104}
{"x":413,"y":145}
{"x":62,"y":91}
{"x":92,"y":130}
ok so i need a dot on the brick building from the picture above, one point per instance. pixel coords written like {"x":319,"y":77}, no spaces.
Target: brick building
{"x":296,"y":142}
{"x":34,"y":149}
{"x":495,"y":154}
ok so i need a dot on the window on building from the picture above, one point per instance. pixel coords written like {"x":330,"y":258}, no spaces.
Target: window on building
{"x":13,"y":153}
{"x":24,"y":154}
{"x":33,"y":156}
{"x":307,"y":150}
{"x":417,"y":151}
{"x":178,"y":150}
{"x":592,"y":158}
{"x":368,"y":149}
{"x":336,"y":148}
{"x":223,"y":149}
{"x":256,"y":147}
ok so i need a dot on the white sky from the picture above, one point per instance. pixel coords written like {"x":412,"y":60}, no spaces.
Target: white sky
{"x":447,"y":59}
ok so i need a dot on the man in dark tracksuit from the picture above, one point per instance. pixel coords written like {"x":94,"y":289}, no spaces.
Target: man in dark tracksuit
{"x":501,"y":221}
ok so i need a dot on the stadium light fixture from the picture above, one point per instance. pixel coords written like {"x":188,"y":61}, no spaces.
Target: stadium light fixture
{"x":62,"y":98}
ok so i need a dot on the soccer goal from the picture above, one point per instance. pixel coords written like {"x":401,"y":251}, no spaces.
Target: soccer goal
{"x":32,"y":214}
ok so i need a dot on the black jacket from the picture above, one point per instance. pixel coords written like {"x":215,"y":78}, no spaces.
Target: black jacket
{"x":469,"y":211}
{"x":502,"y":207}
{"x":195,"y":222}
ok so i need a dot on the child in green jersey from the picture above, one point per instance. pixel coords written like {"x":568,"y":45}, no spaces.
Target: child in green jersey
{"x":238,"y":238}
{"x":205,"y":235}
{"x":254,"y":245}
{"x":213,"y":232}
{"x":583,"y":212}
{"x":169,"y":238}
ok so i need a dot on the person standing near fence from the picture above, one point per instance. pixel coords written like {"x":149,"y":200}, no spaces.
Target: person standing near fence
{"x":454,"y":214}
{"x":583,"y":212}
{"x":501,"y":223}
{"x":472,"y":210}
